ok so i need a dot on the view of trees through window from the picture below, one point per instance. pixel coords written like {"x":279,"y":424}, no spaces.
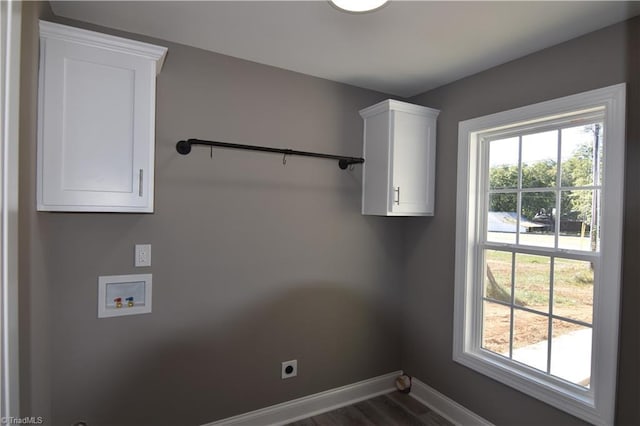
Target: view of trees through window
{"x":577,"y":170}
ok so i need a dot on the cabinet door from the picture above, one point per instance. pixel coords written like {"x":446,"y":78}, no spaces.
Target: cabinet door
{"x":96,"y":135}
{"x":411,"y":148}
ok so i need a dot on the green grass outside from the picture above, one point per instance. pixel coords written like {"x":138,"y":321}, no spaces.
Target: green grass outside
{"x":573,"y":281}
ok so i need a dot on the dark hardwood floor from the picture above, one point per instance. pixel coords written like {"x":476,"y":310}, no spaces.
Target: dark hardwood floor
{"x":393,"y":409}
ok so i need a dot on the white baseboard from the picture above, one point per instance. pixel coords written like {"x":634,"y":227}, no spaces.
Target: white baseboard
{"x":313,"y":405}
{"x":446,"y":407}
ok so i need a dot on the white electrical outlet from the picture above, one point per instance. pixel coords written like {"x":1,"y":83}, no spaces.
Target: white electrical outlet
{"x":290,"y":369}
{"x":143,"y":255}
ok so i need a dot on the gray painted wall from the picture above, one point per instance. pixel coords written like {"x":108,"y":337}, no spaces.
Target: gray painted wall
{"x":595,"y":60}
{"x":254,"y":262}
{"x":34,"y":289}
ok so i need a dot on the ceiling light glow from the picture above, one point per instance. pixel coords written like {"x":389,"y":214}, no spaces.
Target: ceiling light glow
{"x":358,"y":6}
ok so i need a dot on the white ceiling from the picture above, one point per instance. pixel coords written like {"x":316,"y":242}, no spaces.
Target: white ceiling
{"x":405,"y":48}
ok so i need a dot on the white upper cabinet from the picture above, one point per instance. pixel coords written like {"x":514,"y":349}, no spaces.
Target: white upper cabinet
{"x":96,"y":121}
{"x":399,"y":153}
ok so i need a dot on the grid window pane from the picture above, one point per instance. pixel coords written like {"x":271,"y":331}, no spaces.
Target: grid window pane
{"x":497,"y":279}
{"x":502,"y":220}
{"x":573,"y":289}
{"x":577,"y":155}
{"x":530,"y":342}
{"x":577,"y":220}
{"x":532,"y":278}
{"x":503,"y":161}
{"x":540,"y":160}
{"x":538,"y":213}
{"x":496,"y":327}
{"x":600,"y":151}
{"x":571,"y":352}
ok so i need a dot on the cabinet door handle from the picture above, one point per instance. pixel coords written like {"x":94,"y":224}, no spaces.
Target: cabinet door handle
{"x":140,"y":184}
{"x":397,"y":197}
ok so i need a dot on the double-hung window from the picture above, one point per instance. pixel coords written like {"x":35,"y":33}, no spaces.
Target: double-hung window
{"x":538,"y":249}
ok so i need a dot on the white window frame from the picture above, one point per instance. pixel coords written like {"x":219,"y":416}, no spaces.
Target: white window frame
{"x":597,"y":403}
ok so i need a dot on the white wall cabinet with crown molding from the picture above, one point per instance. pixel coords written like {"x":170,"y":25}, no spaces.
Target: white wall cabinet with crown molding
{"x":96,"y":121}
{"x":400,"y":153}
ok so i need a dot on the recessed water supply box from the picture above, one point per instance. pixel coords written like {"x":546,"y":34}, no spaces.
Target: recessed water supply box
{"x":120,"y":295}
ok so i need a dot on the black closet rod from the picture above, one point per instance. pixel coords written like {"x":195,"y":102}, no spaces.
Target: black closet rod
{"x":184,"y":147}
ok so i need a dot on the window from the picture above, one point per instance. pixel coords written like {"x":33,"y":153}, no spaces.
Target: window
{"x":538,"y":249}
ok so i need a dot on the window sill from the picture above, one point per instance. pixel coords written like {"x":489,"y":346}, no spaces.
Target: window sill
{"x":572,"y":399}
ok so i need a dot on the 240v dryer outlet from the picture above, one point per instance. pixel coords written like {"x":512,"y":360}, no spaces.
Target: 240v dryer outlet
{"x":290,"y":369}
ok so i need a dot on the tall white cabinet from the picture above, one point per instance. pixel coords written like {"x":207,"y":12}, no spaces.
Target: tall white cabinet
{"x":399,"y":152}
{"x":96,"y":121}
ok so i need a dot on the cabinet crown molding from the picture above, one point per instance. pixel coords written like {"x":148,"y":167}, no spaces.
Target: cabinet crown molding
{"x":392,"y":104}
{"x":50,"y":30}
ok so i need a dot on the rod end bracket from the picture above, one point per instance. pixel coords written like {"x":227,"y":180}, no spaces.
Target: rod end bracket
{"x":344,"y":163}
{"x":183,"y":147}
